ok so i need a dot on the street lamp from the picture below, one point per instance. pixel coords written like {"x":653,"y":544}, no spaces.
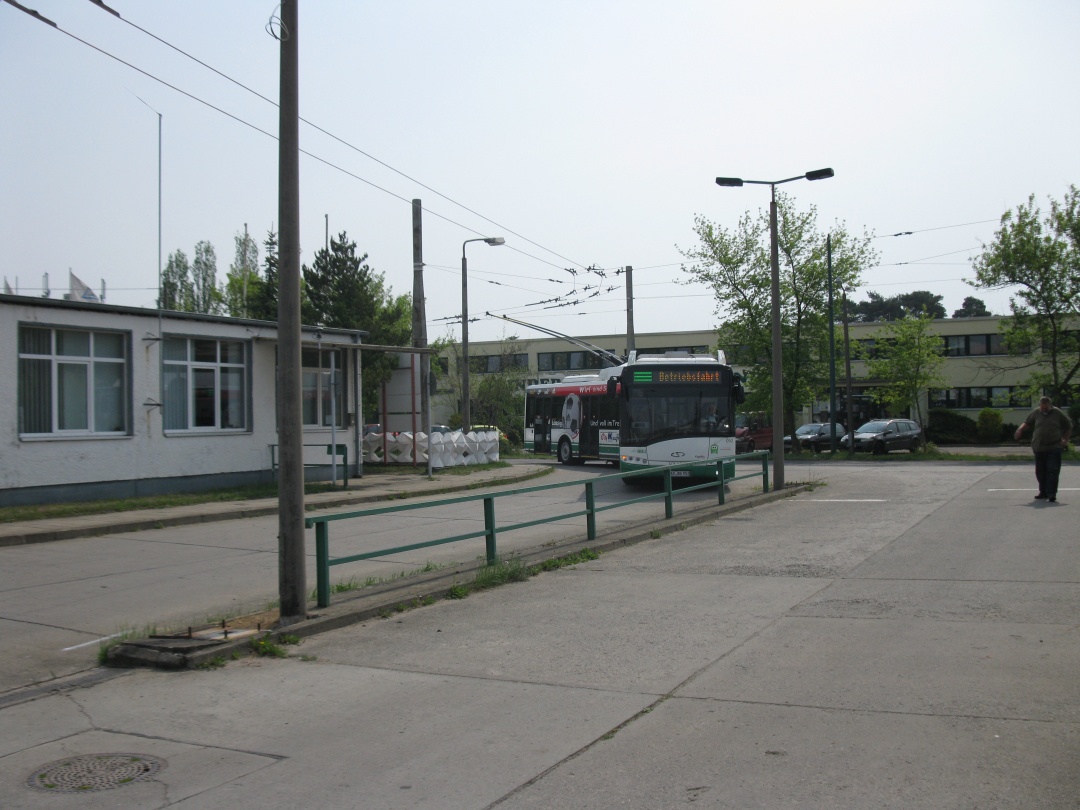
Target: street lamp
{"x":465,"y":415}
{"x":777,"y":368}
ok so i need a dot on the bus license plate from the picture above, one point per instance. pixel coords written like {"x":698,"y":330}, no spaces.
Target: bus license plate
{"x":680,"y":473}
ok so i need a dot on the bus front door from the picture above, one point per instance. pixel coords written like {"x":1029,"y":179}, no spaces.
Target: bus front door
{"x":589,"y":440}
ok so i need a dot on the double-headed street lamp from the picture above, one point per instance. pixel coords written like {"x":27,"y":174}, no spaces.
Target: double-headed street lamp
{"x":777,"y":366}
{"x":465,"y":415}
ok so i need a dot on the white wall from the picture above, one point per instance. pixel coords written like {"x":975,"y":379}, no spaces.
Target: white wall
{"x":147,"y":453}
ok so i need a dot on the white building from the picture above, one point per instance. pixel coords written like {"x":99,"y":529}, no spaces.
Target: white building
{"x":105,"y":401}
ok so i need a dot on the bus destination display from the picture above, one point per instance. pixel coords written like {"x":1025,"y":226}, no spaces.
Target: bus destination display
{"x":681,"y":375}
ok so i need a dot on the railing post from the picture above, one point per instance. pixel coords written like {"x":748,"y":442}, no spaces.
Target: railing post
{"x":669,"y":505}
{"x":765,"y":472}
{"x":489,"y":529}
{"x":322,"y":563}
{"x":590,"y":510}
{"x":720,"y":474}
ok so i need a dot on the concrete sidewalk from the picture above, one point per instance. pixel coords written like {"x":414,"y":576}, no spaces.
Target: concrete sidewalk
{"x":904,"y":637}
{"x":371,"y":489}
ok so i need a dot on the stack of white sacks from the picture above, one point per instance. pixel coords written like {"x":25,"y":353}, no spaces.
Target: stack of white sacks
{"x":454,"y":449}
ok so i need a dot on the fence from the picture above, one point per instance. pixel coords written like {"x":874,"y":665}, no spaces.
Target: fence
{"x":321,"y":523}
{"x":453,"y":449}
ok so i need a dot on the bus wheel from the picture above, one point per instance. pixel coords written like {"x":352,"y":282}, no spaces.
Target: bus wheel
{"x":566,"y":453}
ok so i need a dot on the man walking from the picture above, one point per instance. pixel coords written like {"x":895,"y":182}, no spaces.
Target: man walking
{"x":1052,"y":431}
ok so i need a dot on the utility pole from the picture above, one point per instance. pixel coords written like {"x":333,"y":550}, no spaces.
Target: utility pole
{"x":419,"y":322}
{"x":847,"y":368}
{"x":630,"y":344}
{"x":292,"y":585}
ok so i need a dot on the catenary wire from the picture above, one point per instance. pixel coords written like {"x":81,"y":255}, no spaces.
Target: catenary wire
{"x":342,"y":141}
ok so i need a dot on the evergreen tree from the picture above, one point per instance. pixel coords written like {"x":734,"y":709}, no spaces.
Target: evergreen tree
{"x":343,"y":291}
{"x":207,"y":297}
{"x":243,"y":280}
{"x":262,"y":302}
{"x":176,"y":292}
{"x":972,"y":308}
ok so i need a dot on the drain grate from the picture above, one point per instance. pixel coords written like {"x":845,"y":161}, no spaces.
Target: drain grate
{"x":93,"y":772}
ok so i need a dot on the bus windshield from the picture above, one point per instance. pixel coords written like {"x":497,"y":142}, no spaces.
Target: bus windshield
{"x":655,"y":414}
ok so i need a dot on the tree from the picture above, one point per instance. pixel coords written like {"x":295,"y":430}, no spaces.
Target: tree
{"x":497,"y":386}
{"x":207,"y":297}
{"x":176,"y":292}
{"x":243,"y":281}
{"x":972,"y":308}
{"x":736,"y":265}
{"x":343,"y":291}
{"x":878,"y":308}
{"x":1042,"y":258}
{"x":262,"y":302}
{"x":909,"y":358}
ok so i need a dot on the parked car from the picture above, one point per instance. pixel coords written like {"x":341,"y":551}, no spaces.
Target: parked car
{"x":753,"y":431}
{"x":885,"y":435}
{"x":814,"y":436}
{"x":441,"y":429}
{"x":372,"y":428}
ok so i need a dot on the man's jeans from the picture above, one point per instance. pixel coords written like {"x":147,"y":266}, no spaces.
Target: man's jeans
{"x":1047,"y":471}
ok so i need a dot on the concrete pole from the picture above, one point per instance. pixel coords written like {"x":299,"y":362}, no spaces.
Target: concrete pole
{"x":832,"y":349}
{"x":419,"y":323}
{"x":777,"y":358}
{"x":466,"y":416}
{"x":292,"y":585}
{"x":630,"y":343}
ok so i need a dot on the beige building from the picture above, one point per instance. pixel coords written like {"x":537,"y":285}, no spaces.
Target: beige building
{"x":979,"y":371}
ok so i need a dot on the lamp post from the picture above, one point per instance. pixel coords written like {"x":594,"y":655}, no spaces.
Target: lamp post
{"x":777,"y":365}
{"x":465,"y":415}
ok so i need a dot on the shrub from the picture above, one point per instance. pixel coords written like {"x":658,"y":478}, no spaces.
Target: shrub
{"x":949,"y":427}
{"x":989,"y":426}
{"x":1008,"y":431}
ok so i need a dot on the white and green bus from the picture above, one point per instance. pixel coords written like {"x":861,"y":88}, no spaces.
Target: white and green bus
{"x":656,"y":410}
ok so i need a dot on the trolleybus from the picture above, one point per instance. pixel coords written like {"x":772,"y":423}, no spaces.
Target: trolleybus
{"x":653,"y":411}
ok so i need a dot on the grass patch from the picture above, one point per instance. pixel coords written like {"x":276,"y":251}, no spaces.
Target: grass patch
{"x":217,"y":662}
{"x":124,"y":635}
{"x":585,"y":555}
{"x":10,"y":514}
{"x":356,"y":584}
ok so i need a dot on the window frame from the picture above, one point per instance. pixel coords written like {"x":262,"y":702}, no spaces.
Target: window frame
{"x":194,"y":367}
{"x":322,"y":397}
{"x":91,"y":362}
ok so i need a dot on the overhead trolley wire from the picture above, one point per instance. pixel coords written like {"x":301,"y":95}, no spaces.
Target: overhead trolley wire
{"x":342,"y":141}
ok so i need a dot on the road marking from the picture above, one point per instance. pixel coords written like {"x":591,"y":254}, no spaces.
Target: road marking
{"x":88,"y":643}
{"x":842,"y":500}
{"x":1028,"y":489}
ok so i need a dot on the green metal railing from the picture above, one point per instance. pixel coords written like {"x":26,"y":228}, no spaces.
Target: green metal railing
{"x":321,"y":523}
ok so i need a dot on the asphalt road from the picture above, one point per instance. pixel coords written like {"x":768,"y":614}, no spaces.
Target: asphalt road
{"x":58,"y":600}
{"x":903,"y":636}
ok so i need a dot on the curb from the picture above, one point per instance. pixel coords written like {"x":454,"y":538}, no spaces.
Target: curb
{"x":164,"y":521}
{"x":183,"y":653}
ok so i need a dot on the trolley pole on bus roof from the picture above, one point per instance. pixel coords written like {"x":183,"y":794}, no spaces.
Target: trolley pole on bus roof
{"x":777,"y":358}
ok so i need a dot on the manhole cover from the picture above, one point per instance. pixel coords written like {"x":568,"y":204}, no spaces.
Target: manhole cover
{"x":92,"y":772}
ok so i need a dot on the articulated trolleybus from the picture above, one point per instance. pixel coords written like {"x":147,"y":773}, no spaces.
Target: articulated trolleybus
{"x":654,"y":411}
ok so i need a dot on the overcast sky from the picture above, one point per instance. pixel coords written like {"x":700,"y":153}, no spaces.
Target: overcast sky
{"x":585,"y":132}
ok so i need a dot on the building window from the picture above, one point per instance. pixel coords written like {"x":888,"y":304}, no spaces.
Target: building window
{"x":998,"y":396}
{"x":205,"y":384}
{"x":72,"y":381}
{"x":323,"y":391}
{"x":974,"y":345}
